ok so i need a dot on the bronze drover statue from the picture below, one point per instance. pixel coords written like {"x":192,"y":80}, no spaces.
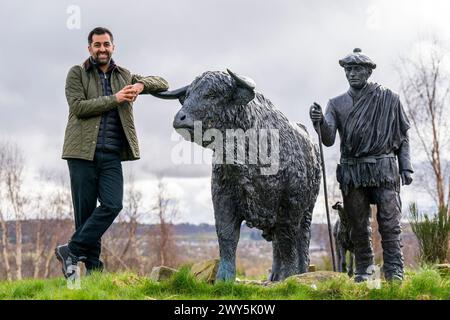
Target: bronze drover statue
{"x":373,"y":129}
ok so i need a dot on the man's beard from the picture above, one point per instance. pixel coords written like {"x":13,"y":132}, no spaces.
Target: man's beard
{"x":103,"y":61}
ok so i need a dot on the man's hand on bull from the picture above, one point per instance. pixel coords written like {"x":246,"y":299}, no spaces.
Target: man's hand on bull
{"x":128,"y":93}
{"x":315,"y":113}
{"x":406,"y":177}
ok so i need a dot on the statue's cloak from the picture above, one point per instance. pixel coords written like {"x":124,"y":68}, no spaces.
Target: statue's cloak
{"x":374,"y":131}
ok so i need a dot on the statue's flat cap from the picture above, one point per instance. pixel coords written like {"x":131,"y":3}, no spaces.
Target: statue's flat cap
{"x":357,"y":58}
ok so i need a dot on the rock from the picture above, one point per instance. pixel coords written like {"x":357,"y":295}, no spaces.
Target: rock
{"x":312,"y":268}
{"x":127,"y":280}
{"x":310,"y":278}
{"x":264,"y":283}
{"x":206,"y":270}
{"x":161,"y":273}
{"x":443,"y":269}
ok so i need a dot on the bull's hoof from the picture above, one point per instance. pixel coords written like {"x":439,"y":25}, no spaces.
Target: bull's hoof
{"x":226,"y":272}
{"x":274,"y":276}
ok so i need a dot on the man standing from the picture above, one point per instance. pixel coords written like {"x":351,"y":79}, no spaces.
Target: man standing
{"x":100,"y":133}
{"x":373,"y":130}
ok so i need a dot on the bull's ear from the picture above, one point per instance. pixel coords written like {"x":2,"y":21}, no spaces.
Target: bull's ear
{"x":182,"y":98}
{"x":244,"y":88}
{"x":243,"y":96}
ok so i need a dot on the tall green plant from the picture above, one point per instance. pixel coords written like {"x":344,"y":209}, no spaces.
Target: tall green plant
{"x":432,"y":232}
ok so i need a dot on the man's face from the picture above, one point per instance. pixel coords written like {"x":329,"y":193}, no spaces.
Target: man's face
{"x":101,"y":48}
{"x":357,"y":75}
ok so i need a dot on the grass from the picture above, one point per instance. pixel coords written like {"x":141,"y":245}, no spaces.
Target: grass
{"x":426,"y":283}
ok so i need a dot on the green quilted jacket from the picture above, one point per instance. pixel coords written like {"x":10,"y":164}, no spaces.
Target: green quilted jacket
{"x":86,"y":104}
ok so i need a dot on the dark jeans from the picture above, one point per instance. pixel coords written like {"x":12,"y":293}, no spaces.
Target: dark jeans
{"x":90,"y":181}
{"x":389,"y":209}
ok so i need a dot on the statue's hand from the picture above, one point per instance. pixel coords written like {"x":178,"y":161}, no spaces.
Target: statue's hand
{"x":315,"y":113}
{"x":406,"y":177}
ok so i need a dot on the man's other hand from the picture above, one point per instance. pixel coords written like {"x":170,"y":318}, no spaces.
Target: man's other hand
{"x":138,"y":87}
{"x":128,"y":93}
{"x":406,"y":177}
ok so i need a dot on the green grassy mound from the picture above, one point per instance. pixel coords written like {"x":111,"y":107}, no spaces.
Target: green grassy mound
{"x":424,"y":284}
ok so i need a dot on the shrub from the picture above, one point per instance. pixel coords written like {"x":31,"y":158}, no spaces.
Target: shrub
{"x":433,"y":234}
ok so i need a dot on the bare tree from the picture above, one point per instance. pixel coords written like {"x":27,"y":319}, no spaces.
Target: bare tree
{"x":130,"y":216}
{"x":54,"y":209}
{"x":3,"y":225}
{"x":120,"y":243}
{"x":425,"y":89}
{"x":13,"y":175}
{"x":38,"y":241}
{"x":165,"y":210}
{"x":43,"y":213}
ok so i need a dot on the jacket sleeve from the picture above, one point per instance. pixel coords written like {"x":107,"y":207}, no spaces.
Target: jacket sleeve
{"x":76,"y":98}
{"x":403,"y":155}
{"x":328,"y":126}
{"x":151,"y":83}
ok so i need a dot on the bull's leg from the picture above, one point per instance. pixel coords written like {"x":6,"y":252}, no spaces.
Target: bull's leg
{"x":228,"y":235}
{"x":228,"y":226}
{"x":286,"y":237}
{"x":304,"y":236}
{"x":276,"y":264}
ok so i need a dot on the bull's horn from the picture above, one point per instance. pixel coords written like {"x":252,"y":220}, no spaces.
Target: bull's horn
{"x":171,"y":95}
{"x":243,"y":81}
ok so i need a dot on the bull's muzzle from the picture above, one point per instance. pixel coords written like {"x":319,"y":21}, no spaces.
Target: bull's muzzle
{"x":183,"y":121}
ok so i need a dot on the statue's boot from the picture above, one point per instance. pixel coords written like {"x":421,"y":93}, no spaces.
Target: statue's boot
{"x":393,"y":263}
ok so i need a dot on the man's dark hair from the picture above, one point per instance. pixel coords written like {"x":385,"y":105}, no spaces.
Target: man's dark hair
{"x":99,"y":31}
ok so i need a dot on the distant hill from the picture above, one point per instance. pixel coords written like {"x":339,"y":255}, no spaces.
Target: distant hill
{"x":319,"y":231}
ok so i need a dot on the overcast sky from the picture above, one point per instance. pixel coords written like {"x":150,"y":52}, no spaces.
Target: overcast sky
{"x":289,"y":48}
